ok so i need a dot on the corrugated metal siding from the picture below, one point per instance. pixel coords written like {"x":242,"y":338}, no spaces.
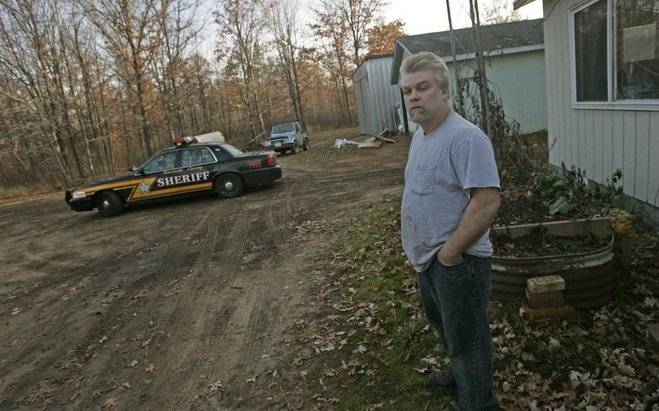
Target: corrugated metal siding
{"x":360,"y":80}
{"x":384,"y":97}
{"x":376,"y":98}
{"x":599,"y":141}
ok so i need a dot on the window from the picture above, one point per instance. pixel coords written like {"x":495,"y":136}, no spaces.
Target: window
{"x":637,"y":63}
{"x":283,"y":128}
{"x":196,"y":156}
{"x":162,"y":162}
{"x":232,"y":150}
{"x":590,"y":52}
{"x":615,"y":54}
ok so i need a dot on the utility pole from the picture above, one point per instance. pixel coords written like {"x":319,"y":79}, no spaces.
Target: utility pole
{"x":455,"y":63}
{"x":478,"y":46}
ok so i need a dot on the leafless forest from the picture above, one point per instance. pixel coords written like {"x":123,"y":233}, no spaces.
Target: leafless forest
{"x":89,"y":87}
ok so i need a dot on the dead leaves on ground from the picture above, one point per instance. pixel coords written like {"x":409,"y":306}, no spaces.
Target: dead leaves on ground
{"x":596,"y":360}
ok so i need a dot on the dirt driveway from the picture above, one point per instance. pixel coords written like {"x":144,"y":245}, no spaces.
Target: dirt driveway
{"x":179,"y":305}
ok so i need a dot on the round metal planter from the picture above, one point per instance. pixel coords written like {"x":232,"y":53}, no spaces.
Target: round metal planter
{"x":588,"y":276}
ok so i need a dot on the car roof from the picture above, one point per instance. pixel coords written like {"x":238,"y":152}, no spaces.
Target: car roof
{"x":192,"y":145}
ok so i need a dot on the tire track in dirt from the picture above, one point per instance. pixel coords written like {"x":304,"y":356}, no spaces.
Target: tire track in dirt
{"x":200,"y":327}
{"x":158,"y":306}
{"x":264,"y":316}
{"x":116,"y":324}
{"x":278,"y":217}
{"x":380,"y":176}
{"x":71,"y":345}
{"x":70,"y":296}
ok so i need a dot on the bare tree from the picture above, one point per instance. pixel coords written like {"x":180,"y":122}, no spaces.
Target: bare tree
{"x":177,"y":30}
{"x":382,"y":37}
{"x":282,"y":20}
{"x":332,"y":30}
{"x":500,"y":11}
{"x":241,"y":25}
{"x":29,"y":59}
{"x":93,"y":116}
{"x":199,"y":78}
{"x":130,"y":29}
{"x":360,"y":16}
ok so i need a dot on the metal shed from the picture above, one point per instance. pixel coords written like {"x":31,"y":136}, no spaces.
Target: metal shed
{"x":378,"y":101}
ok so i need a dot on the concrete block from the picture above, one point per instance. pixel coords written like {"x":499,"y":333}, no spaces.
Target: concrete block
{"x":547,"y":312}
{"x":546,"y":283}
{"x":546,"y":299}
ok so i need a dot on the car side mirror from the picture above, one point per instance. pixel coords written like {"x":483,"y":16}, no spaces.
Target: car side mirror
{"x":135,"y":170}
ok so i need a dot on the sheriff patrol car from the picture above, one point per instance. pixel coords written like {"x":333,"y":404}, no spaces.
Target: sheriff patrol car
{"x":189,"y":167}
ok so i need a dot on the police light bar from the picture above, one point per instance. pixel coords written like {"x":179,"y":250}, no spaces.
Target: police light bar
{"x":182,"y":141}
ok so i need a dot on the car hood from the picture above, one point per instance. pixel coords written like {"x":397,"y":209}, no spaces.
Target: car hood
{"x":281,"y":135}
{"x":113,"y":179}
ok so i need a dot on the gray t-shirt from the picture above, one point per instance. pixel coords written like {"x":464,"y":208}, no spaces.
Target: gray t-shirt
{"x":441,"y":169}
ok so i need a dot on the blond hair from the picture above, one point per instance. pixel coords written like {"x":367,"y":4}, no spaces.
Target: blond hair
{"x":426,"y":60}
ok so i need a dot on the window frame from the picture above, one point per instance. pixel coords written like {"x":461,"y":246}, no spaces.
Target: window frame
{"x":611,"y":103}
{"x":190,"y":149}
{"x":154,"y":160}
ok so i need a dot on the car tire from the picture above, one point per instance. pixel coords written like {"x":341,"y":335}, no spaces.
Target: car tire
{"x":305,"y":147}
{"x":296,"y":148}
{"x":109,"y":203}
{"x":229,"y":185}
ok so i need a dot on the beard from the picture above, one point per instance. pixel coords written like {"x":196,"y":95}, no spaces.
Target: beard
{"x":419,"y":115}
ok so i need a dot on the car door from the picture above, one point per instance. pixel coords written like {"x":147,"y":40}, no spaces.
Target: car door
{"x":165,"y":175}
{"x":198,"y":167}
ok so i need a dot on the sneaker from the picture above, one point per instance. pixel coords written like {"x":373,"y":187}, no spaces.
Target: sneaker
{"x":454,"y":406}
{"x":440,"y":380}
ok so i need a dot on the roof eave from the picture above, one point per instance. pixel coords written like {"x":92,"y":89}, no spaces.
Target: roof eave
{"x":521,"y":3}
{"x":399,"y":52}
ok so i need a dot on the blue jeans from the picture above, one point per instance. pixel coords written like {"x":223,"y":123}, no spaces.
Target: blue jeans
{"x":455,"y":302}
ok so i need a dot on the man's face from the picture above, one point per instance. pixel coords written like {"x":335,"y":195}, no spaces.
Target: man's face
{"x":425,"y":101}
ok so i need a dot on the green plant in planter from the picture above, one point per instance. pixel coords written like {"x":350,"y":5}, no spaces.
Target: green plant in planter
{"x":570,"y":194}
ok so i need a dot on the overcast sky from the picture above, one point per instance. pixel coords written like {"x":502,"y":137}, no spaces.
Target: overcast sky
{"x":420,"y":16}
{"x":427,"y":16}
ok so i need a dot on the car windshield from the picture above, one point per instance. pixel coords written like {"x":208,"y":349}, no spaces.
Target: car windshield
{"x":283,"y":128}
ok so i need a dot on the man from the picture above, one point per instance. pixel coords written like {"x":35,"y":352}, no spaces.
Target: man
{"x":450,"y":199}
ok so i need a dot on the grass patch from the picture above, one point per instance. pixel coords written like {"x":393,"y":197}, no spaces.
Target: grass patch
{"x":371,"y":346}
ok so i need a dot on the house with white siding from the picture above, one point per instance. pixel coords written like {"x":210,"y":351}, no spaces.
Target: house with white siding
{"x":514,"y":61}
{"x":602,"y":75}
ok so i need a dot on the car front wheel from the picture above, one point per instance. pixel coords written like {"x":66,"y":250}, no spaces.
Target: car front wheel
{"x":109,"y":204}
{"x":295,"y":148}
{"x":229,"y":185}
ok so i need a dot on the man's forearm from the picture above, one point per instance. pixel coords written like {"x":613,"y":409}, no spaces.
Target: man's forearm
{"x":477,"y":218}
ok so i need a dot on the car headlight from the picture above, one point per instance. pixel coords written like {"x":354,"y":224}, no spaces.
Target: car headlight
{"x":78,"y":194}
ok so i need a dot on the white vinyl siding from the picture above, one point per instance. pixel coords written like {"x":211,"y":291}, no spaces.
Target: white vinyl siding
{"x":598,"y":139}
